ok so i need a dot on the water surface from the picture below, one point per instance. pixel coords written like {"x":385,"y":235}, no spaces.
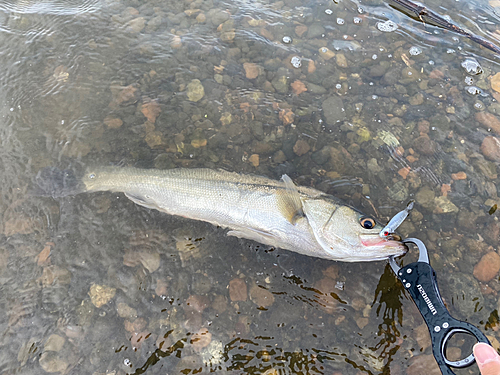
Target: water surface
{"x":331,"y":93}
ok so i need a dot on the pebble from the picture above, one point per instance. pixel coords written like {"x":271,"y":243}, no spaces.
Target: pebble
{"x":113,"y":122}
{"x":488,"y":121}
{"x":301,"y":147}
{"x":125,"y":311}
{"x":298,"y":87}
{"x":201,"y":339}
{"x":54,"y":343}
{"x":495,"y":82}
{"x":459,"y":175}
{"x":261,"y":297}
{"x":300,"y":30}
{"x":50,"y":362}
{"x":422,"y":336}
{"x":341,"y":60}
{"x":490,"y":148}
{"x":254,"y":160}
{"x":136,"y":25}
{"x":323,"y":295}
{"x":237,"y":290}
{"x":425,"y":145}
{"x":196,"y":303}
{"x":252,"y":70}
{"x":195,"y":90}
{"x":326,"y":54}
{"x":333,"y":110}
{"x":398,"y":191}
{"x":444,"y":205}
{"x":488,"y":267}
{"x":101,"y":294}
{"x":425,"y":197}
{"x":150,"y":110}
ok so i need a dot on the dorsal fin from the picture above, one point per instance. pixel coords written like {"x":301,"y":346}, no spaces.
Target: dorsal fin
{"x":289,"y":202}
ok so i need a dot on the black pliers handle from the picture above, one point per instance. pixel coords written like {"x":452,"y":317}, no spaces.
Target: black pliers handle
{"x":419,"y":279}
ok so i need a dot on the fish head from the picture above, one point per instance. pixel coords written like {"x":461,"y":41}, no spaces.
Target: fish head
{"x":101,"y":179}
{"x":348,"y":235}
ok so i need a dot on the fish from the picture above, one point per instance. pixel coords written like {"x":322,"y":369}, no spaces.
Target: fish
{"x":276,"y":213}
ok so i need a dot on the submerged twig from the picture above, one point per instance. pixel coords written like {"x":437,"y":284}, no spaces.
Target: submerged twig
{"x":422,"y":12}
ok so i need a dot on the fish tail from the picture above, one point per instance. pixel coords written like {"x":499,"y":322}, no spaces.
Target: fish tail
{"x":56,"y":183}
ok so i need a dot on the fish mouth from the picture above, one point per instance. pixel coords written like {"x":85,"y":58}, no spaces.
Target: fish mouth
{"x":390,"y":245}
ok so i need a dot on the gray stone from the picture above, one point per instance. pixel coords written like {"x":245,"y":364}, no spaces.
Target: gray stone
{"x":315,"y":89}
{"x":463,"y":293}
{"x":321,"y":156}
{"x":333,"y":110}
{"x":315,"y":30}
{"x":398,"y":191}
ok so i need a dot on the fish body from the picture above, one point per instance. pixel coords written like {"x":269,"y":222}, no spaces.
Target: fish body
{"x":275,"y":213}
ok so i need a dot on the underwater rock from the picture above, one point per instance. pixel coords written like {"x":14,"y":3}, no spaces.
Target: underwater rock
{"x":195,"y":90}
{"x":488,"y":267}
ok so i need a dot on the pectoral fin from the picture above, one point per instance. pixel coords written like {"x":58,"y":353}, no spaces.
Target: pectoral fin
{"x":289,"y":202}
{"x":142,"y":201}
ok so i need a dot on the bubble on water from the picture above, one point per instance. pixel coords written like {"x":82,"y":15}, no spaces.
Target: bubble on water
{"x":449,"y":51}
{"x":374,"y":56}
{"x":415,"y":51}
{"x":329,"y":11}
{"x":324,"y":50}
{"x":374,"y":97}
{"x":469,"y":80}
{"x":357,"y":20}
{"x":360,"y":10}
{"x":338,"y":86}
{"x":340,"y":21}
{"x":387,"y":26}
{"x":287,"y":39}
{"x":473,"y":90}
{"x":431,"y":62}
{"x":478,"y":105}
{"x":127,"y":362}
{"x":471,"y":66}
{"x":296,"y":62}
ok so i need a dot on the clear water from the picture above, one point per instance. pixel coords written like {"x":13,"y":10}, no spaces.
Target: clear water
{"x":79,"y":79}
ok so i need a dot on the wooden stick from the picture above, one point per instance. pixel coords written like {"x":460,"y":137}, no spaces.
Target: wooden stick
{"x":422,"y":11}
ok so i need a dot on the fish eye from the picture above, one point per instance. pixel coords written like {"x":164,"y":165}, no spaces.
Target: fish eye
{"x":367,"y":223}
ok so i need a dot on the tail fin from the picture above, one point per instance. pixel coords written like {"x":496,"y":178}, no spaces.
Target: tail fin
{"x":56,"y":183}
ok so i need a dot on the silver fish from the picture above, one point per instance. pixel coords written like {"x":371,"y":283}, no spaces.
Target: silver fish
{"x":275,"y":213}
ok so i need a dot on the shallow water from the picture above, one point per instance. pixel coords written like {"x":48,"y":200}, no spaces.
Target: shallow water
{"x":95,"y":284}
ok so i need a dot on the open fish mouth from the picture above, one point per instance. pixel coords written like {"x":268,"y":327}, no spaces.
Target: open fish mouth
{"x":390,"y":245}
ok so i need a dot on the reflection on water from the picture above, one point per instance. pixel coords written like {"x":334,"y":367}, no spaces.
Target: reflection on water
{"x":376,"y":116}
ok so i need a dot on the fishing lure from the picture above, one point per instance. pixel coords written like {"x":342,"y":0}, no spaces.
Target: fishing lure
{"x":396,"y":220}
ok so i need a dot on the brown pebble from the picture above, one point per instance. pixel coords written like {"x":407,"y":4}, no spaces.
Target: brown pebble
{"x":423,"y":126}
{"x":425,"y":145}
{"x":251,"y":70}
{"x":488,"y":121}
{"x":332,"y":272}
{"x":459,"y":176}
{"x":161,"y":287}
{"x":196,"y":303}
{"x":254,"y":160}
{"x":301,"y":147}
{"x":261,"y":297}
{"x":113,"y":123}
{"x":324,"y":296}
{"x":237,"y":290}
{"x":490,"y":148}
{"x":201,"y":339}
{"x":487,"y":268}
